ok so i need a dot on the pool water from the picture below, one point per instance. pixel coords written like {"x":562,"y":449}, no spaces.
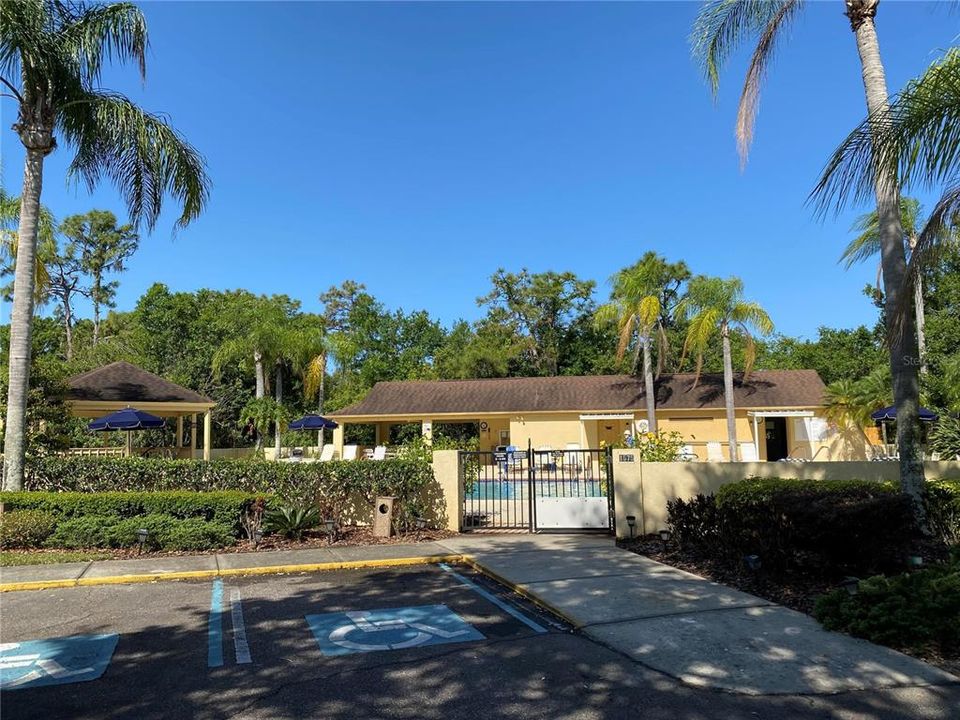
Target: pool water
{"x":519,"y":489}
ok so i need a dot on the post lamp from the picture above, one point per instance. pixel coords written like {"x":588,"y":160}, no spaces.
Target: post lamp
{"x":752,"y":562}
{"x":142,"y":535}
{"x":851,"y":585}
{"x":632,"y":524}
{"x":664,"y":536}
{"x":331,"y":527}
{"x":257,"y":538}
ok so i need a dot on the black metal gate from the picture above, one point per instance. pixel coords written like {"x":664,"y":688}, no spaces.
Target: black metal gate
{"x":538,"y":490}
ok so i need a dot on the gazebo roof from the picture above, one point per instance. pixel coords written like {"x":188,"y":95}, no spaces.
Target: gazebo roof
{"x":123,"y":382}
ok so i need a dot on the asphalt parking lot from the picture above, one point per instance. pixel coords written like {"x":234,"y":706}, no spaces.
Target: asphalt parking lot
{"x":417,"y":642}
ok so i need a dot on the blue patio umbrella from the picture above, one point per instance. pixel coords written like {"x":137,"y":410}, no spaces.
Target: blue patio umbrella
{"x":890,"y":413}
{"x":127,"y":419}
{"x":312,"y":422}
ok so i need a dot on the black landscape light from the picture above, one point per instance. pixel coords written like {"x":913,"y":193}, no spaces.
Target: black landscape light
{"x":142,"y":535}
{"x":665,"y":536}
{"x":257,"y":538}
{"x":851,"y":585}
{"x":331,"y":526}
{"x":752,"y":562}
{"x":632,"y":523}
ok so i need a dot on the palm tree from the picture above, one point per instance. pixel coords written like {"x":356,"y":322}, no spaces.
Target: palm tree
{"x":867,"y":245}
{"x":52,"y":54}
{"x":643,"y":295}
{"x":310,"y":351}
{"x":719,"y":29}
{"x":713,"y":307}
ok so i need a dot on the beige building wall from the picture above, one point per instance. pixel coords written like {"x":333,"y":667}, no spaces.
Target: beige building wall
{"x":553,"y":431}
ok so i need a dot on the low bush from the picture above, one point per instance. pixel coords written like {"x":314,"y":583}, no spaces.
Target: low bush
{"x":224,"y":508}
{"x":25,"y":528}
{"x":695,"y":524}
{"x":919,"y":610}
{"x":833,"y":526}
{"x":942,"y":502}
{"x":164,"y":532}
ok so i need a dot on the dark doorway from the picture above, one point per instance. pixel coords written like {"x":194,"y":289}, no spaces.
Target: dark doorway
{"x":776,"y":431}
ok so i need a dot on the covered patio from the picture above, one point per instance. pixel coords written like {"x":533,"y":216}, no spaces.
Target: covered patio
{"x":121,"y":384}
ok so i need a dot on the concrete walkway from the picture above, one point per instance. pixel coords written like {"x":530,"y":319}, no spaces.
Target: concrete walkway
{"x":705,"y":634}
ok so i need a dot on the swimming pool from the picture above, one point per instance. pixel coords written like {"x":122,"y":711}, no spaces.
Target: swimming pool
{"x":519,"y":489}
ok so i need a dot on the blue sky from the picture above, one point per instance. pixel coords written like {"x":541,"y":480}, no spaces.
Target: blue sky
{"x":417,"y":147}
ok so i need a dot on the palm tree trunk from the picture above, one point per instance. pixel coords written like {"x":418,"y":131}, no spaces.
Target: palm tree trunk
{"x":278,"y":395}
{"x":901,"y":327}
{"x":258,"y":373}
{"x":728,"y":396}
{"x":648,"y":385}
{"x":321,"y":389}
{"x":21,"y":322}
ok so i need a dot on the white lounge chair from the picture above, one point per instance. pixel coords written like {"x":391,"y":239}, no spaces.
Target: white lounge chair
{"x":326,"y":455}
{"x":714,"y":452}
{"x":379,"y":453}
{"x":748,"y":452}
{"x":350,"y":452}
{"x":687,"y":454}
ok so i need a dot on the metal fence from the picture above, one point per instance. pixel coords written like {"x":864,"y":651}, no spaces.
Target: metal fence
{"x":514,"y":489}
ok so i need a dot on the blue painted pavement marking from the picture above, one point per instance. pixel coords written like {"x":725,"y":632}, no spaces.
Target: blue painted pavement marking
{"x":215,"y":626}
{"x":512,"y":611}
{"x":57,"y":661}
{"x":344,"y":633}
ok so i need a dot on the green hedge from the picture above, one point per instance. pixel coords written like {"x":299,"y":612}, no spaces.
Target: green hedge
{"x":832,"y":527}
{"x":26,"y":528}
{"x":942,"y":502}
{"x":165,"y":532}
{"x":330,"y":482}
{"x":224,"y":508}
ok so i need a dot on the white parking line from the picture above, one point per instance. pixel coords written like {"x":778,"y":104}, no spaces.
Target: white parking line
{"x":240,"y":646}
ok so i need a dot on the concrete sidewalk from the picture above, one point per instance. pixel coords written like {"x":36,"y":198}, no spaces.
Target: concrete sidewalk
{"x":705,"y":634}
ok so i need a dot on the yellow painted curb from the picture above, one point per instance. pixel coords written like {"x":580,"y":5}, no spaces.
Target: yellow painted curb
{"x":520,"y":590}
{"x":208,"y":574}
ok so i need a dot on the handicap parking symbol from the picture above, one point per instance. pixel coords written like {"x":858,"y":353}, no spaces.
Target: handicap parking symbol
{"x":57,"y":661}
{"x":344,"y":633}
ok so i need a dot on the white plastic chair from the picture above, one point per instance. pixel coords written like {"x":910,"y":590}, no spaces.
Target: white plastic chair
{"x":326,"y":455}
{"x":714,"y":452}
{"x":350,"y":452}
{"x":379,"y":452}
{"x":748,"y":452}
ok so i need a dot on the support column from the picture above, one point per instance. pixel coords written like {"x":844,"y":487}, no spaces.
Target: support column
{"x":179,"y":443}
{"x":207,"y":433}
{"x":193,"y":434}
{"x":756,"y":435}
{"x":338,"y":442}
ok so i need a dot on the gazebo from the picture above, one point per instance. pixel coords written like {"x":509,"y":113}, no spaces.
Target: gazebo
{"x":121,"y":384}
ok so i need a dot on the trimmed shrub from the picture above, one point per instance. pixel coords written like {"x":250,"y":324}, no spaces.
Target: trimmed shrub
{"x":914,"y":611}
{"x":834,"y":526}
{"x":224,"y":508}
{"x":695,"y":524}
{"x":165,"y":532}
{"x":25,"y":528}
{"x":942,"y":502}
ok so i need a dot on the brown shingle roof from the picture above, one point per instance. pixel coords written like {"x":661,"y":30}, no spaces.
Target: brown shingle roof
{"x":763,"y":389}
{"x":123,"y":382}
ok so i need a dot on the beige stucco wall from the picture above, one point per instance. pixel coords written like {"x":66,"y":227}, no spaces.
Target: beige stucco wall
{"x":643,"y":489}
{"x":553,"y":431}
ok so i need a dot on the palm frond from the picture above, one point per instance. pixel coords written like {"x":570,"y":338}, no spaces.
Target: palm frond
{"x":919,"y":137}
{"x":720,"y":28}
{"x":756,"y":72}
{"x":117,"y":31}
{"x":144,"y":157}
{"x":751,"y":314}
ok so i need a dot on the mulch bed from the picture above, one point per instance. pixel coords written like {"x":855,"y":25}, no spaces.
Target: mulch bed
{"x":796,"y":591}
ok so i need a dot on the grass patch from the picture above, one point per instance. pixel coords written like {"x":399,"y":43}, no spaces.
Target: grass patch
{"x":20,"y":557}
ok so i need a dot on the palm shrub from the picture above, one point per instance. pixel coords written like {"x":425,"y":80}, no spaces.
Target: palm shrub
{"x":292,"y":520}
{"x":945,"y":438}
